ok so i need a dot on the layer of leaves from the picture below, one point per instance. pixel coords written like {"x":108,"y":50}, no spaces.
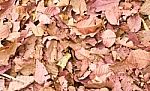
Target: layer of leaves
{"x":74,"y":45}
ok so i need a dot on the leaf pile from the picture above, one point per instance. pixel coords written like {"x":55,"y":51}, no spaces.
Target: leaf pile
{"x":74,"y":45}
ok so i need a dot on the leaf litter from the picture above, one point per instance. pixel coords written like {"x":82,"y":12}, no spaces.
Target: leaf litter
{"x":74,"y":45}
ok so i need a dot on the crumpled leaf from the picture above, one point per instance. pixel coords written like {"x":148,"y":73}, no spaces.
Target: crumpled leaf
{"x":134,"y":23}
{"x":41,"y":74}
{"x":63,"y":61}
{"x":109,"y":38}
{"x":18,"y":85}
{"x":7,"y":51}
{"x":145,"y":8}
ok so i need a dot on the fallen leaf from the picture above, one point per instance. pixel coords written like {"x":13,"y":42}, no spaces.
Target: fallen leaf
{"x":4,"y":31}
{"x":102,"y":5}
{"x":64,"y":60}
{"x":145,"y":8}
{"x":2,"y":86}
{"x":63,"y":82}
{"x":125,"y":42}
{"x":113,"y":15}
{"x":47,"y":89}
{"x":134,"y":23}
{"x":44,"y":19}
{"x":109,"y":38}
{"x":89,"y":25}
{"x":63,"y":3}
{"x":139,"y":58}
{"x":37,"y":30}
{"x":25,"y":81}
{"x":52,"y":10}
{"x":41,"y":74}
{"x":4,"y":68}
{"x":79,"y":6}
{"x":7,"y":51}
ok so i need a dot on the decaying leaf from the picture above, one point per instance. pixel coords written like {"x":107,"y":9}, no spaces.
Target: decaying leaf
{"x":63,"y":61}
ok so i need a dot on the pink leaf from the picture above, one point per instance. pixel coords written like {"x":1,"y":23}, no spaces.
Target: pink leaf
{"x":113,"y":15}
{"x":108,"y":37}
{"x":41,"y":74}
{"x":101,"y":5}
{"x":134,"y":23}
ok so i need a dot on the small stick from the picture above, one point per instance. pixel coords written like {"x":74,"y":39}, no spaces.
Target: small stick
{"x":12,"y":78}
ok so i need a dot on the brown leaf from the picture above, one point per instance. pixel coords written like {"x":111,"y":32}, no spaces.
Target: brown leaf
{"x":145,"y":8}
{"x":7,"y":51}
{"x":79,"y":6}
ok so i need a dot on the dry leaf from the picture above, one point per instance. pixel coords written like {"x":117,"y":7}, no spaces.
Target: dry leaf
{"x":64,"y":60}
{"x":37,"y":30}
{"x":134,"y":23}
{"x":101,"y":5}
{"x":109,"y":38}
{"x":125,"y":42}
{"x":79,"y":6}
{"x":4,"y":31}
{"x":140,"y":58}
{"x":7,"y":51}
{"x":24,"y":82}
{"x":113,"y":15}
{"x":44,"y":19}
{"x":63,"y":3}
{"x":145,"y":8}
{"x":41,"y":74}
{"x":2,"y":86}
{"x":89,"y":25}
